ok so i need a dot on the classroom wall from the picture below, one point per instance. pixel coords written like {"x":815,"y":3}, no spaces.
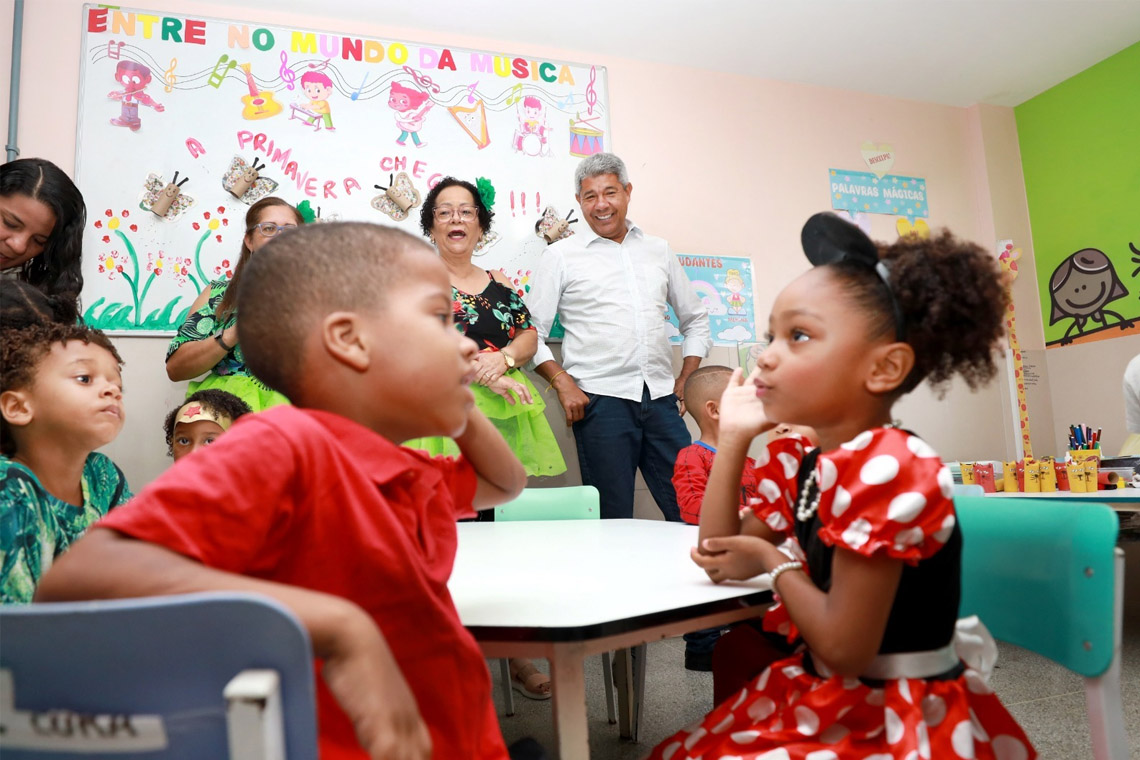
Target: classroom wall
{"x":1080,"y":144}
{"x":733,"y":168}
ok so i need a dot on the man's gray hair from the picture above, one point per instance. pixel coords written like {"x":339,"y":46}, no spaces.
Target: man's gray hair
{"x":598,"y":164}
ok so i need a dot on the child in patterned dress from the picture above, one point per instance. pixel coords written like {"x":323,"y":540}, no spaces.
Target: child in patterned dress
{"x":868,"y":574}
{"x":61,"y":397}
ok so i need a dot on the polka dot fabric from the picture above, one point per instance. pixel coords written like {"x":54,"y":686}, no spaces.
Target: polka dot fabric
{"x":789,"y":714}
{"x":883,"y":493}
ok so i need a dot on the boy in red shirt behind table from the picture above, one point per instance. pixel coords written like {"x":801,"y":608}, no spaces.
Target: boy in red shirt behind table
{"x":703,"y":390}
{"x":318,"y":506}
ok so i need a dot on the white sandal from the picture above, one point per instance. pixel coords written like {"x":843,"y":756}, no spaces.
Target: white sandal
{"x":523,"y":681}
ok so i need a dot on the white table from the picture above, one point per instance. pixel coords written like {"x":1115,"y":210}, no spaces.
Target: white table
{"x":602,"y":585}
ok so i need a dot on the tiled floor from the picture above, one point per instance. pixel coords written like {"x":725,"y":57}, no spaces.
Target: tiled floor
{"x":1046,"y":699}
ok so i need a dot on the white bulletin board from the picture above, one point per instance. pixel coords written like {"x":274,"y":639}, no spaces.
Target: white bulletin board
{"x":204,"y":97}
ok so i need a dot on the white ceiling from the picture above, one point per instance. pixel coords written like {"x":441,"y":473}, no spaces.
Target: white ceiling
{"x":955,"y":52}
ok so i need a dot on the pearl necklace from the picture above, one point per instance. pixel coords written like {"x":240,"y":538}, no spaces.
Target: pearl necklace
{"x":805,"y":511}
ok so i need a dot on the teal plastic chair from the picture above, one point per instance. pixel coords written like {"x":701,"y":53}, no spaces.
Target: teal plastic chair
{"x":1047,"y":576}
{"x":217,"y":675}
{"x":566,"y":503}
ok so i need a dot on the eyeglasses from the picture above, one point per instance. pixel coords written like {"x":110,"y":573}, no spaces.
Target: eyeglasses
{"x":447,"y":213}
{"x":271,"y":229}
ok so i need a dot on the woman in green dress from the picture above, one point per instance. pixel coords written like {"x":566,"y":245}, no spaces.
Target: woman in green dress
{"x":488,"y":310}
{"x":207,"y":341}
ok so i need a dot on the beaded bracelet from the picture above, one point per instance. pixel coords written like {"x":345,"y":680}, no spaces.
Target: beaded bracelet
{"x":782,"y":568}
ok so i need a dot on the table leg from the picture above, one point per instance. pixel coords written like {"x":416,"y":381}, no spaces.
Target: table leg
{"x":629,"y":678}
{"x":568,"y":682}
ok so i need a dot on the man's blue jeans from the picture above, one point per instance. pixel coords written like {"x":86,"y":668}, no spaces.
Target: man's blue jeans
{"x":615,"y":437}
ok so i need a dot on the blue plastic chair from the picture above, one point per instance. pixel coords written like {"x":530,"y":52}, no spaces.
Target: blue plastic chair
{"x":200,"y":675}
{"x":1047,"y":576}
{"x":565,"y":503}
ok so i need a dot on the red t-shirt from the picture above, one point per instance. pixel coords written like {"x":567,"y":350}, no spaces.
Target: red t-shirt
{"x":691,"y":478}
{"x":315,"y":500}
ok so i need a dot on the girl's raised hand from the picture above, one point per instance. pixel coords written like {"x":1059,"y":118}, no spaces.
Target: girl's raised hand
{"x":741,"y":412}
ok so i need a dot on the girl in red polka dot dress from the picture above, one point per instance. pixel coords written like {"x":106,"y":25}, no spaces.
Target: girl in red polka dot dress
{"x":859,"y":534}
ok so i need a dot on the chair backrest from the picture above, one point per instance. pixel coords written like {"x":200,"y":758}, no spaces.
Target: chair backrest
{"x":1040,"y":574}
{"x":169,"y":657}
{"x":567,"y":503}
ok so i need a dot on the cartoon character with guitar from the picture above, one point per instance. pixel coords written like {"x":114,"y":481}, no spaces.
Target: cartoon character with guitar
{"x":134,"y":77}
{"x":404,"y":101}
{"x":258,"y":104}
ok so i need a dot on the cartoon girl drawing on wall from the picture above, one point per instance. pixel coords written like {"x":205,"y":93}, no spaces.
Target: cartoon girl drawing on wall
{"x":735,"y":283}
{"x":134,"y":77}
{"x":404,"y":101}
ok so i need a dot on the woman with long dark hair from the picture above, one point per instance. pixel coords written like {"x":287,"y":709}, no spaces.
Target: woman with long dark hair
{"x":41,"y":226}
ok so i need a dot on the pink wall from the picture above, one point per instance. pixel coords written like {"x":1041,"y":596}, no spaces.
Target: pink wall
{"x":720,"y":164}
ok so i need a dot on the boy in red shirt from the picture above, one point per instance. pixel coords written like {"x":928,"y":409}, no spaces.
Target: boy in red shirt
{"x":703,"y":390}
{"x":318,"y":506}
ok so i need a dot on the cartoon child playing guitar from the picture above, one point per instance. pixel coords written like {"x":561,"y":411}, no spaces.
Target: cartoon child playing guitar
{"x":404,"y":101}
{"x":134,"y":77}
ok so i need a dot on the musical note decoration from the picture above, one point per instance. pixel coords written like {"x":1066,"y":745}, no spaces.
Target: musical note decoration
{"x":423,"y":80}
{"x":114,"y":49}
{"x":286,"y":73}
{"x":170,"y":77}
{"x":515,"y":96}
{"x":471,"y":92}
{"x":216,"y":77}
{"x":356,"y":94}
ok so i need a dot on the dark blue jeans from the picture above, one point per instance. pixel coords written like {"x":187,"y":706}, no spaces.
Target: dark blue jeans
{"x":615,"y":437}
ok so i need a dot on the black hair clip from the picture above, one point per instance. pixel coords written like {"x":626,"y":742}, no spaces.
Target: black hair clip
{"x":827,"y":239}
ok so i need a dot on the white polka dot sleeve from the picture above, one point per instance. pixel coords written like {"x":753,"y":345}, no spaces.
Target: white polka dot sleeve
{"x":885,"y":492}
{"x":776,"y":491}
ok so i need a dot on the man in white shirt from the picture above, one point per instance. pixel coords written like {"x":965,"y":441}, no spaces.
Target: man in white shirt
{"x":616,"y":383}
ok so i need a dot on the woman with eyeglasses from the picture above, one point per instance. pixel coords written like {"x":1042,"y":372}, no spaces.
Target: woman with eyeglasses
{"x":486,"y":309}
{"x":207,"y":341}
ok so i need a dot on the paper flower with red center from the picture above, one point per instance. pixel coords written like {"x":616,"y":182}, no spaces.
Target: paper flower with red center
{"x":112,"y":263}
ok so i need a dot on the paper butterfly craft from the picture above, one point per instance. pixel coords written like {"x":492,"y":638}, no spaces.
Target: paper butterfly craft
{"x":244,"y":182}
{"x":165,"y":199}
{"x":486,"y":241}
{"x":398,"y":198}
{"x":552,"y":228}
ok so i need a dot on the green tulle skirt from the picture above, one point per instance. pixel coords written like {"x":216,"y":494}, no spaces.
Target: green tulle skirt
{"x":524,"y":427}
{"x":249,"y":389}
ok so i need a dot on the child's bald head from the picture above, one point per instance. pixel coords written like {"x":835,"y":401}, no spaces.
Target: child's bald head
{"x":704,"y":385}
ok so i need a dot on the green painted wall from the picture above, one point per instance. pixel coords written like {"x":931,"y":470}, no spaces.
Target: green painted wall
{"x":1080,"y":150}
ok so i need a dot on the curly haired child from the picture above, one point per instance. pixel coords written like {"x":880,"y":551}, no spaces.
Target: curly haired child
{"x":868,"y":575}
{"x":200,"y":420}
{"x":61,"y":397}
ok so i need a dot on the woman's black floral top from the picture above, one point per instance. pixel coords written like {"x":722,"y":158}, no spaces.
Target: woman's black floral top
{"x":491,"y":318}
